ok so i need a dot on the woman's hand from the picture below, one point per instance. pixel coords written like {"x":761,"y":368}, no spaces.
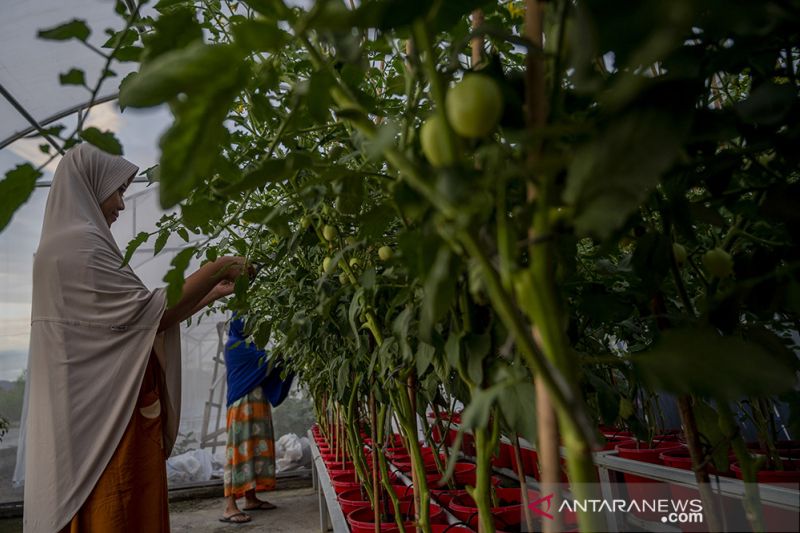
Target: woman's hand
{"x":231,"y":267}
{"x":222,"y":289}
{"x":213,"y":280}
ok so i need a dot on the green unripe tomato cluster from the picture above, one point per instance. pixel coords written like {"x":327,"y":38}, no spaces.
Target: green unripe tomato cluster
{"x":329,"y":232}
{"x":385,"y":253}
{"x":718,"y":263}
{"x":474,"y":106}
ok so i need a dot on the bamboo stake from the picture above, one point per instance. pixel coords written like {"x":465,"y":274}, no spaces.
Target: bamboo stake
{"x":376,"y":491}
{"x":542,"y":302}
{"x":700,"y":472}
{"x":549,"y":457}
{"x":523,"y":486}
{"x":546,"y":422}
{"x":477,"y":42}
{"x":415,"y":475}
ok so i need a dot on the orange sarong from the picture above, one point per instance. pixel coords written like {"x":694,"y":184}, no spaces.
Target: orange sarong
{"x":131,"y":494}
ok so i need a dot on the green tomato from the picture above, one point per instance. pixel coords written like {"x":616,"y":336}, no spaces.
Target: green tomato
{"x":432,"y":137}
{"x":718,"y":262}
{"x":305,"y":221}
{"x":385,"y":253}
{"x":679,"y":251}
{"x":326,"y":264}
{"x":329,"y":232}
{"x":343,"y":278}
{"x":354,"y":262}
{"x":474,"y":106}
{"x":625,"y":408}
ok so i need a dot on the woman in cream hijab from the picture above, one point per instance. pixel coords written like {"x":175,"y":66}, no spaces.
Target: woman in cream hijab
{"x":104,"y":367}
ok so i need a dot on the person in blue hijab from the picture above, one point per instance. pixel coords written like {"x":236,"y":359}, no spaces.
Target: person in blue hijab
{"x":255,"y":386}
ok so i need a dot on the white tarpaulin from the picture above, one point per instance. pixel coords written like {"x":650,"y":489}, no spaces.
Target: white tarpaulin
{"x":30,"y":67}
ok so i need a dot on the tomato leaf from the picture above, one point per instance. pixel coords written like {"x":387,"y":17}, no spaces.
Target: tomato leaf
{"x":161,"y":241}
{"x":611,"y":175}
{"x":105,"y":140}
{"x":74,"y":76}
{"x":15,"y":189}
{"x":270,"y":170}
{"x":134,"y":243}
{"x":424,"y":357}
{"x":700,"y":361}
{"x":440,"y":286}
{"x":516,"y":402}
{"x":185,"y":70}
{"x":175,"y":276}
{"x":74,"y":29}
{"x":259,"y":35}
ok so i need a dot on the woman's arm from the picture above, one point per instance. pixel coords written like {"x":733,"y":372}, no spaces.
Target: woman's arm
{"x":198,"y":287}
{"x":220,"y":290}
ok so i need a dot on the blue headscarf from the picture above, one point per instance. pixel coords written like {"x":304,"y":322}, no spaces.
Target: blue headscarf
{"x":248,"y":368}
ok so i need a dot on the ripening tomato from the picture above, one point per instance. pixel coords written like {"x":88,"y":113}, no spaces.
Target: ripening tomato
{"x":385,"y":253}
{"x":718,"y":262}
{"x":329,"y":232}
{"x":432,"y":137}
{"x":679,"y":251}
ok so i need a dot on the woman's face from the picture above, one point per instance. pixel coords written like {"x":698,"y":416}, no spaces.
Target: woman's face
{"x":112,"y":205}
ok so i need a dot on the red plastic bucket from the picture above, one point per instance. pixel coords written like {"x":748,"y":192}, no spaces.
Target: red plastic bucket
{"x":344,"y":481}
{"x":502,"y":459}
{"x":353,"y":499}
{"x":338,"y":467}
{"x":612,"y":441}
{"x":507,"y":515}
{"x":403,"y":491}
{"x":450,"y":528}
{"x":641,"y":488}
{"x":363,"y":521}
{"x":445,"y":496}
{"x":776,"y":519}
{"x":463,"y":474}
{"x":530,"y":462}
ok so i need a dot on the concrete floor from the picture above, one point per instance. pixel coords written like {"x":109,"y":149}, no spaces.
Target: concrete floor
{"x":297,"y":512}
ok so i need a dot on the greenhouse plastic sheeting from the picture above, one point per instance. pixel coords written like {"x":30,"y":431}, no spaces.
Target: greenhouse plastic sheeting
{"x":30,"y":67}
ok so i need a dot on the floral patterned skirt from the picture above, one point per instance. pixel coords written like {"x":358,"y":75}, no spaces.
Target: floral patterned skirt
{"x":250,"y":451}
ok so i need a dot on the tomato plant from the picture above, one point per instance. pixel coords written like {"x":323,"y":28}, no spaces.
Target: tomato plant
{"x":620,"y":210}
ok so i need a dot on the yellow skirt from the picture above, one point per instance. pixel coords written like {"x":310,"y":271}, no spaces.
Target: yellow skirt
{"x":131,"y":494}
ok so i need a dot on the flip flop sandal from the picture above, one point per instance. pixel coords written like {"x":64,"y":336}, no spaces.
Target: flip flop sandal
{"x":263,"y":506}
{"x":230,"y":519}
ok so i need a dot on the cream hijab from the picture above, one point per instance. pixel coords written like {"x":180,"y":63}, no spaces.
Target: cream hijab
{"x":93,"y":328}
